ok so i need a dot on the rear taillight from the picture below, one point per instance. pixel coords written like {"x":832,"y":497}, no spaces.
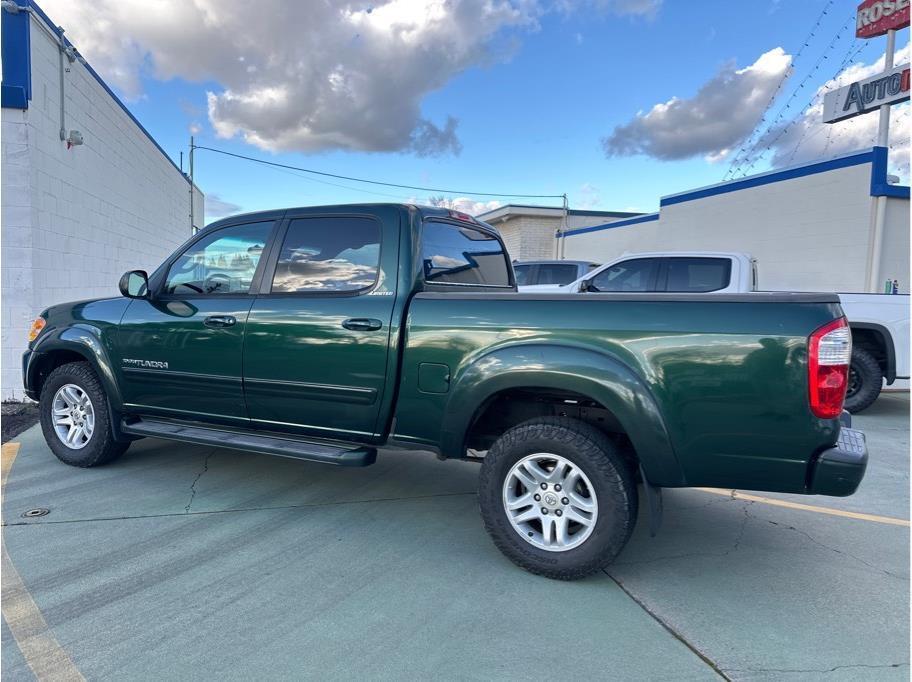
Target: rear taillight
{"x":829,"y":354}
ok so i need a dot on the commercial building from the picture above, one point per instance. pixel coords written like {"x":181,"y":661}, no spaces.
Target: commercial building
{"x":87,"y":193}
{"x":529,"y":231}
{"x":810,"y":227}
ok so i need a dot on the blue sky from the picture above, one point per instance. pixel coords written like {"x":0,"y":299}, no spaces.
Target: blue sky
{"x":534,"y":96}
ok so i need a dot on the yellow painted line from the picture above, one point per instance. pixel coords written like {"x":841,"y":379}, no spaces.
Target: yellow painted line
{"x":39,"y":647}
{"x":9,"y":452}
{"x":736,"y":495}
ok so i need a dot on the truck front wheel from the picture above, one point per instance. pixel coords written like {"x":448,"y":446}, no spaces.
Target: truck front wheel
{"x":75,"y":419}
{"x":865,"y":381}
{"x":557,"y":498}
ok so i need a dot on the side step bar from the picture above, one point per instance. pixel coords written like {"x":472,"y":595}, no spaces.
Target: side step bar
{"x":253,"y":442}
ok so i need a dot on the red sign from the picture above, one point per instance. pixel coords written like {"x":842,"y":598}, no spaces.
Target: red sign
{"x":876,"y":17}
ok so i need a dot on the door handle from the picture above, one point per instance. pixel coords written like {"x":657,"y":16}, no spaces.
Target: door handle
{"x":219,"y":321}
{"x":362,"y":324}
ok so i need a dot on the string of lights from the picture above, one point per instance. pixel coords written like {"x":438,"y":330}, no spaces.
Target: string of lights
{"x":753,"y":155}
{"x":817,"y":97}
{"x":785,"y":76}
{"x":774,"y":133}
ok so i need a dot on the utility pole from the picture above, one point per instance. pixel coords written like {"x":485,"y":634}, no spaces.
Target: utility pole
{"x":192,"y":224}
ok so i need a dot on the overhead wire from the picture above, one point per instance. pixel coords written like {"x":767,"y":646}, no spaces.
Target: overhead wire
{"x":377,"y":182}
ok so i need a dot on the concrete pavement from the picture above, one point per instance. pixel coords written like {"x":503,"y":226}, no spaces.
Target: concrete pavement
{"x":180,"y":560}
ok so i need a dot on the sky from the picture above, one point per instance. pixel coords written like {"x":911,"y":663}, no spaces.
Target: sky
{"x":613,"y":102}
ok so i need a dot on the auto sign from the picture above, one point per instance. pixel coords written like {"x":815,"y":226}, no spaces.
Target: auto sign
{"x":876,"y":17}
{"x":889,"y":87}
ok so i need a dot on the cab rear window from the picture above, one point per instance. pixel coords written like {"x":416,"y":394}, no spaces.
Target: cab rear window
{"x":462,"y":255}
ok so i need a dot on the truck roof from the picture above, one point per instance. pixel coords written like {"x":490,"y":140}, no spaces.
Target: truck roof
{"x":423,"y":212}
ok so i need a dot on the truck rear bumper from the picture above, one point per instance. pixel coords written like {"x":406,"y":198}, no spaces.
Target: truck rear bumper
{"x":839,"y":470}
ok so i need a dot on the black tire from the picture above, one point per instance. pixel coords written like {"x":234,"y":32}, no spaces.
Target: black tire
{"x":865,"y":381}
{"x":101,"y":447}
{"x":598,"y":458}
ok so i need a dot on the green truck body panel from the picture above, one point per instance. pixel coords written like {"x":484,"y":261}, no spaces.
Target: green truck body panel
{"x":710,"y":390}
{"x":701,"y":387}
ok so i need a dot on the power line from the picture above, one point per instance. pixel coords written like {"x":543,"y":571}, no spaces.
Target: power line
{"x":378,"y":182}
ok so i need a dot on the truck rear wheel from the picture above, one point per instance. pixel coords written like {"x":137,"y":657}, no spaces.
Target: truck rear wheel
{"x":75,"y":419}
{"x":557,"y":498}
{"x":865,"y":381}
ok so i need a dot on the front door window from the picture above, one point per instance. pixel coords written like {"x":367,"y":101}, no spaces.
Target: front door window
{"x":222,"y":263}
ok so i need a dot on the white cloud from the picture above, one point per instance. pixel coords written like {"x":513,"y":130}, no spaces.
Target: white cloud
{"x":807,"y":138}
{"x":304,"y":76}
{"x":216,"y":207}
{"x":464,"y":204}
{"x":630,"y":8}
{"x":723,"y":112}
{"x":589,"y":197}
{"x":643,"y":8}
{"x":312,"y":76}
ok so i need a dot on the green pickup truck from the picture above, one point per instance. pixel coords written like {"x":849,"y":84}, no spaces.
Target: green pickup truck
{"x":324,"y":333}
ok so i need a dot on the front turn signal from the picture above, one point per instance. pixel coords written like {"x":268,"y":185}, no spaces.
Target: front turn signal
{"x":36,"y":328}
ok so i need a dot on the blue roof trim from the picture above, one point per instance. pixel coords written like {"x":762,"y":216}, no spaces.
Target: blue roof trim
{"x":40,"y":12}
{"x":17,"y":55}
{"x":768,"y":178}
{"x":879,"y":185}
{"x":607,"y":226}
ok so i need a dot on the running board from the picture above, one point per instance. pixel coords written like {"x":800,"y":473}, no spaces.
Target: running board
{"x":253,"y":442}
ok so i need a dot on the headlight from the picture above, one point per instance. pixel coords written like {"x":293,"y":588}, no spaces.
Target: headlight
{"x":36,"y":328}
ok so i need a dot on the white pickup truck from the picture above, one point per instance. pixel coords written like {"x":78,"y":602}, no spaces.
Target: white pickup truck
{"x":879,"y":322}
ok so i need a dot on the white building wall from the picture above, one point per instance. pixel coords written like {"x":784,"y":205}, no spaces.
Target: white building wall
{"x":895,"y":261}
{"x":75,"y":220}
{"x":807,"y":234}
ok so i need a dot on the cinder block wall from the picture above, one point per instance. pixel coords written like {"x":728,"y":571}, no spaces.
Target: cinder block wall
{"x":74,"y":220}
{"x":533,"y":237}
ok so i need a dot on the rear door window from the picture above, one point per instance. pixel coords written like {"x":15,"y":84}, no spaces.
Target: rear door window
{"x":462,"y":255}
{"x":697,"y":275}
{"x":636,"y":275}
{"x":328,"y":255}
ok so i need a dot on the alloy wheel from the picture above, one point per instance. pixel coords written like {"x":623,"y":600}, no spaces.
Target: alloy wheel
{"x":73,"y":415}
{"x":550,"y":502}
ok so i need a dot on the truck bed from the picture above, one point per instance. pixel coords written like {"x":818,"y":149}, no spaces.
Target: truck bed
{"x":724,"y":375}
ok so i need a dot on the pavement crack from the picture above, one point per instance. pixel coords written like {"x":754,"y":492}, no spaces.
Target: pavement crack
{"x":747,"y":517}
{"x":798,"y":671}
{"x":735,"y":545}
{"x":239,"y":510}
{"x":668,"y":628}
{"x":837,"y":551}
{"x":198,"y":477}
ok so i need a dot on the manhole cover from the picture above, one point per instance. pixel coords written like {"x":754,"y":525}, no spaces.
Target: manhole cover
{"x":32,"y":513}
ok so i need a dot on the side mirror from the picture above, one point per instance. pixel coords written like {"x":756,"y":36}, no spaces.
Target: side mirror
{"x":134,"y":284}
